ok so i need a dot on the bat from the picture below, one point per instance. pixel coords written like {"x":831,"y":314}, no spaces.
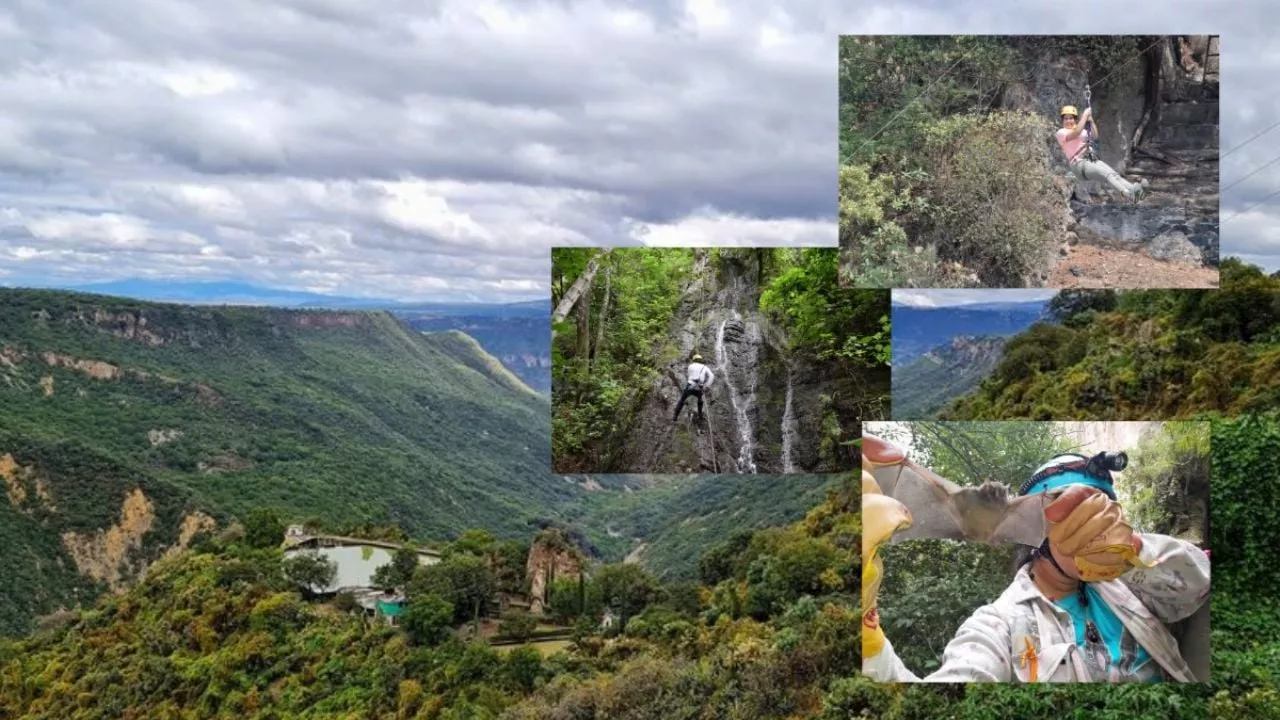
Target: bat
{"x":939,"y":508}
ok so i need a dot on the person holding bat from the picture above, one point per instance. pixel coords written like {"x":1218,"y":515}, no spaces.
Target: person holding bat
{"x":1091,"y":601}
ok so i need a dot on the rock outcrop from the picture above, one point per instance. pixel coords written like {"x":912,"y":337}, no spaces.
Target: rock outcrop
{"x":766,"y":412}
{"x":1157,"y":119}
{"x":926,"y":385}
{"x":552,"y":557}
{"x":110,"y":555}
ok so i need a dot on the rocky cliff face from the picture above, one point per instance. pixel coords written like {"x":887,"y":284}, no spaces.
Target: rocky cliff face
{"x":767,"y":412}
{"x":552,"y":557}
{"x":80,"y":525}
{"x":1157,"y":118}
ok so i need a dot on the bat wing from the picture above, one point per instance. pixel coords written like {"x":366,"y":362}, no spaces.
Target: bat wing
{"x":1023,"y":521}
{"x":928,"y":497}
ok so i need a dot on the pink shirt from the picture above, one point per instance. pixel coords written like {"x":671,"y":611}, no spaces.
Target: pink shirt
{"x":1072,"y":148}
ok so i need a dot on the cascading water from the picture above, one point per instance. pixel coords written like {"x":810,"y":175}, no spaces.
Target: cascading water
{"x":788,"y":429}
{"x":742,"y":403}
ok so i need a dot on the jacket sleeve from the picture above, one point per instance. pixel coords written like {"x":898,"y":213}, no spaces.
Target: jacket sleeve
{"x":1178,"y":584}
{"x":978,"y":653}
{"x":711,"y":377}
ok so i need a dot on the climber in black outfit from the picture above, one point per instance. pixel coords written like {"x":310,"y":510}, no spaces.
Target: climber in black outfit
{"x":699,"y":379}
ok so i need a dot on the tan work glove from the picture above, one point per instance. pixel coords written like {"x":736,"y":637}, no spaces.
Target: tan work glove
{"x":1090,"y":528}
{"x":881,"y":517}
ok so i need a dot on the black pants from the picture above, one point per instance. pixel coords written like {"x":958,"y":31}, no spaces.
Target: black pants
{"x":693,"y":390}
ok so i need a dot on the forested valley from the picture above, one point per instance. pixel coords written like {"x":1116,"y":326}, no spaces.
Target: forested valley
{"x":764,"y":628}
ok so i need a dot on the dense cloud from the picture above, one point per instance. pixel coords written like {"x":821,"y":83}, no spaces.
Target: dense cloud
{"x":437,"y":150}
{"x":946,"y":298}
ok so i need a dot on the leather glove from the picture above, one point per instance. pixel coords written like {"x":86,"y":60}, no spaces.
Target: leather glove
{"x":1090,"y":528}
{"x":881,"y":517}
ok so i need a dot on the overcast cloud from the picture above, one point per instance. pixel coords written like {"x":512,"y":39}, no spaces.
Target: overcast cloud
{"x":946,"y":298}
{"x":436,"y":150}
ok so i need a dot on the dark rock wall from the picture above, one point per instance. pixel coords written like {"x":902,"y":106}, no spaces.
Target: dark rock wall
{"x":754,"y":361}
{"x":1157,"y":118}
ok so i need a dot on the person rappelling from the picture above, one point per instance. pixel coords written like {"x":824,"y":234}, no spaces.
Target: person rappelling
{"x":698,"y":380}
{"x":1078,"y":138}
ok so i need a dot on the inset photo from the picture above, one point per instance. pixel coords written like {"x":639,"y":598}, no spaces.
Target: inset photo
{"x":1089,"y":354}
{"x":1029,"y":161}
{"x":712,"y":360}
{"x":1036,"y":552}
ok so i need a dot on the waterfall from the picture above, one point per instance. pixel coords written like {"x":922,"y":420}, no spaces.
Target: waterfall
{"x":788,"y":429}
{"x":742,"y":404}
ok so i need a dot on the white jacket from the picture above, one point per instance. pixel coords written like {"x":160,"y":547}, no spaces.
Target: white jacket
{"x":989,"y":645}
{"x":700,"y":375}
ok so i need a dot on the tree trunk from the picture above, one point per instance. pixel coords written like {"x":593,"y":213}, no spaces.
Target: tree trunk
{"x":604,"y":314}
{"x":577,"y":290}
{"x":584,"y":328}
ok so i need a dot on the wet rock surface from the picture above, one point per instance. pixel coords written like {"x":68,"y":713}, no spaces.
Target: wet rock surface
{"x":746,"y":428}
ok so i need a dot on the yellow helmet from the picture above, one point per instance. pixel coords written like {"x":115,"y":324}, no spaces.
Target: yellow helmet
{"x":1069,"y":110}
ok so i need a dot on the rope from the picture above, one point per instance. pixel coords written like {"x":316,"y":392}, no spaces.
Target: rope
{"x":1246,"y":177}
{"x":1140,"y":54}
{"x":915,"y":100}
{"x":1260,"y":202}
{"x":711,"y":433}
{"x":1246,"y":142}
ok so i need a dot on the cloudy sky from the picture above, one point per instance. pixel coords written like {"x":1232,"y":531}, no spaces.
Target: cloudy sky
{"x":946,"y":298}
{"x":436,"y":150}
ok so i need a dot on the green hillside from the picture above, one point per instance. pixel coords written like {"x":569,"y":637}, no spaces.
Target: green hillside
{"x":768,"y":632}
{"x":1142,"y":355}
{"x":468,"y":352}
{"x":929,"y":383}
{"x":346,"y":417}
{"x":671,"y":522}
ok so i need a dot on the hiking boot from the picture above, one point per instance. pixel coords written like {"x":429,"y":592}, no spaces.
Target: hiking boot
{"x":1139,"y":191}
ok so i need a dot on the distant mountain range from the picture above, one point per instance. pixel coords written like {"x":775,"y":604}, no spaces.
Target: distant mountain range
{"x":517,"y":333}
{"x":917,"y":330}
{"x":930,"y":382}
{"x":235,"y":293}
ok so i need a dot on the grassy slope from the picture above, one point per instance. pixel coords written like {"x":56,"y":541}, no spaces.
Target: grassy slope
{"x":347,"y":417}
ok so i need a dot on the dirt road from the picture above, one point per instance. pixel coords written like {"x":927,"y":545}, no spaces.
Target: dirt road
{"x":1089,"y":266}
